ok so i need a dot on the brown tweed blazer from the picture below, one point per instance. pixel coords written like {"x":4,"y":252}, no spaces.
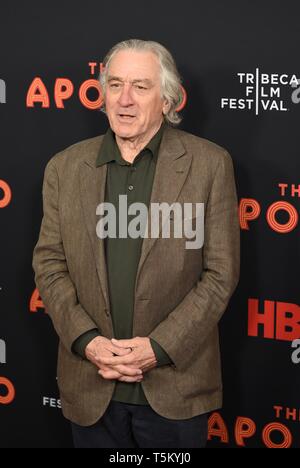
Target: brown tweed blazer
{"x":181,"y":293}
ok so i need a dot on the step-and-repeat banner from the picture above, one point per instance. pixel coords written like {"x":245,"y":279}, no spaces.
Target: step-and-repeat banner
{"x":240,"y":66}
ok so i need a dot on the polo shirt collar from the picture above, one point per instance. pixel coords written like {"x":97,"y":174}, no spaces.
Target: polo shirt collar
{"x":109,"y":150}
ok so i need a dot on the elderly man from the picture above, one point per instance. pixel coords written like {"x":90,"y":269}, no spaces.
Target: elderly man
{"x":137,"y":316}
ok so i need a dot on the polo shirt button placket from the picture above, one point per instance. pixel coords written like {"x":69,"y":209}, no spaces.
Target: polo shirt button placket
{"x":132,"y":171}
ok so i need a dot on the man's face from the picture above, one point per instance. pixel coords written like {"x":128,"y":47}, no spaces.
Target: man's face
{"x":133,"y":101}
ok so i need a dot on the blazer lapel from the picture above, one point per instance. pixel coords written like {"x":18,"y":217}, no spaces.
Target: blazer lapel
{"x":92,"y":189}
{"x":172,"y":168}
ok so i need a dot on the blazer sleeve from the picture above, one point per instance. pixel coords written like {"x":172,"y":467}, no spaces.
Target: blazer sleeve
{"x":182,"y":333}
{"x":52,"y":278}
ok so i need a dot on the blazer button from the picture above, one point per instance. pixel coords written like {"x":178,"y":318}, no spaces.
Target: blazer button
{"x":107,"y":312}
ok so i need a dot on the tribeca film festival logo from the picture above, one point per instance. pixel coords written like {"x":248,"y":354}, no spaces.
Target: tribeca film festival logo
{"x":159,"y":220}
{"x":263,"y":92}
{"x":7,"y":389}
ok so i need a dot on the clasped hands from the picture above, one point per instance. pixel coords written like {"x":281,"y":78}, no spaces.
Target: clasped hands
{"x":124,"y":360}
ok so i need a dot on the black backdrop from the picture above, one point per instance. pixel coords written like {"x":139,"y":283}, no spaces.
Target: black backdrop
{"x":216,"y":44}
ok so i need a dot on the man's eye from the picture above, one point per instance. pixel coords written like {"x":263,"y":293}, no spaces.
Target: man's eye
{"x":114,"y":85}
{"x":140,"y":87}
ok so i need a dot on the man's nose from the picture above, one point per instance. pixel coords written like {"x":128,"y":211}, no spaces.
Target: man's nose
{"x":125,"y":98}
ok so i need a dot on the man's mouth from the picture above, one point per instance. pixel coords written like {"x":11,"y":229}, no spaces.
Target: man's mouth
{"x":126,"y":116}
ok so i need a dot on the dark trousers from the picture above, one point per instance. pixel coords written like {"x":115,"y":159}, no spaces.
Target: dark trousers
{"x":129,"y":426}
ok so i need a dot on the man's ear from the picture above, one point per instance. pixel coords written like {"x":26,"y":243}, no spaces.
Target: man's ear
{"x":166,"y":107}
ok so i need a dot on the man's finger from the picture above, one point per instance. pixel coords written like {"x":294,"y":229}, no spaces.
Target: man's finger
{"x":109,"y":374}
{"x":113,"y":375}
{"x":125,"y":378}
{"x":116,"y":360}
{"x":123,"y":343}
{"x":126,"y":370}
{"x":120,"y":351}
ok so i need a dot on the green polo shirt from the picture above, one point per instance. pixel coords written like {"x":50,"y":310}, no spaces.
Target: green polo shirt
{"x":123,"y":253}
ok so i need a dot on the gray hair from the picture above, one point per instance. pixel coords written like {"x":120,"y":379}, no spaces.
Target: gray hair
{"x":171,"y":88}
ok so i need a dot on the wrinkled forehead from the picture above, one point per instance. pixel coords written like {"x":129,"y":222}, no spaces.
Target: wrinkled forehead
{"x":132,"y":65}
